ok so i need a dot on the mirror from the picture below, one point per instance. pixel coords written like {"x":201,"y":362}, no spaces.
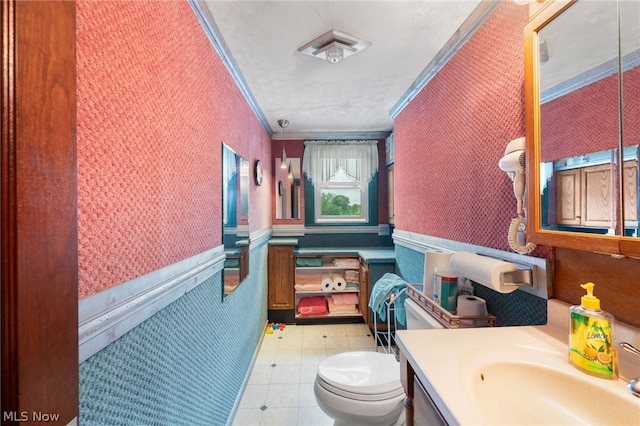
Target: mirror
{"x":235,"y":219}
{"x":287,"y":188}
{"x":582,"y":88}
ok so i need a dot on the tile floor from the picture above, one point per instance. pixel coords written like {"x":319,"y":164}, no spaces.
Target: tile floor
{"x":280,"y":389}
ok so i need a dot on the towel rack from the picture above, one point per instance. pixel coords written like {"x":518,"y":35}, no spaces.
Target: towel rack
{"x":386,"y":338}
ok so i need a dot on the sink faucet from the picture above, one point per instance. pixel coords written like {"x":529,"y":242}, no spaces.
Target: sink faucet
{"x":634,"y":384}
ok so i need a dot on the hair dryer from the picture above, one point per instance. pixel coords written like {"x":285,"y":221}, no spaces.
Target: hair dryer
{"x":513,"y":163}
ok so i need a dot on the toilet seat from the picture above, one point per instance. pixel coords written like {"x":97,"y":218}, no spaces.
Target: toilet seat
{"x":359,"y":396}
{"x":361,"y":375}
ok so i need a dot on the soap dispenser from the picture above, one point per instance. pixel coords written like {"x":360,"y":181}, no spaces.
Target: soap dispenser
{"x":591,"y":345}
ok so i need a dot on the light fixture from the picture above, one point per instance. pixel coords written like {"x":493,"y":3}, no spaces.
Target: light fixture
{"x":283,"y":124}
{"x":334,"y":46}
{"x":544,"y":51}
{"x":290,"y":171}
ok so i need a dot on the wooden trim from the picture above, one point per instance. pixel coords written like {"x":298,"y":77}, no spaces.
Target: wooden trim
{"x":39,"y":211}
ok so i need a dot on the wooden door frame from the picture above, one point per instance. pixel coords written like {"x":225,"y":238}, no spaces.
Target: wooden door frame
{"x":39,"y":293}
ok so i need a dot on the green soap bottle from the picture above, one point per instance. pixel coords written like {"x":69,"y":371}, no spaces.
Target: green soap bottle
{"x":591,"y":346}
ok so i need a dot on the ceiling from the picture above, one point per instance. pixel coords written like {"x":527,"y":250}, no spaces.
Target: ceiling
{"x":352,"y":97}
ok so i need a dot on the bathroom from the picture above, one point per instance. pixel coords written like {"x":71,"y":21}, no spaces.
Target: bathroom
{"x":150,"y":215}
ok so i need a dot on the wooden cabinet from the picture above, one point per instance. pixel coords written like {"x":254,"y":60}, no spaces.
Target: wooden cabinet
{"x":585,"y":196}
{"x":280,"y":275}
{"x":419,"y":406}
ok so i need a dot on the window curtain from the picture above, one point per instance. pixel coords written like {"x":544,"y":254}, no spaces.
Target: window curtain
{"x":323,"y":159}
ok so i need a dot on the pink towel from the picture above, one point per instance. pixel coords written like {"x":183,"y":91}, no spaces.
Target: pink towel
{"x":343,"y":309}
{"x":314,"y":305}
{"x":345,"y":299}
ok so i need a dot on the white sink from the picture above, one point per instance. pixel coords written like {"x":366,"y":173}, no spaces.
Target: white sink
{"x":513,"y":376}
{"x":510,"y":385}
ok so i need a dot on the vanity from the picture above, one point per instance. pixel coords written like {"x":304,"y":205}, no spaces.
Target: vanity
{"x":510,"y":375}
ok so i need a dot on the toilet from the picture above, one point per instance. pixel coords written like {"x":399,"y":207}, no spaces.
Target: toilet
{"x":360,"y":388}
{"x":363,"y":388}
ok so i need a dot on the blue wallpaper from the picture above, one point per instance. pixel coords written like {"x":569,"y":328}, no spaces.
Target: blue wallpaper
{"x":183,"y":366}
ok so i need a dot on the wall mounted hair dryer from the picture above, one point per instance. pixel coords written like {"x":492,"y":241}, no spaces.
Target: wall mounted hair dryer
{"x":513,"y":163}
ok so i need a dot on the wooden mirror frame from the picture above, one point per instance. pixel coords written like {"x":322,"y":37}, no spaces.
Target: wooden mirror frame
{"x":616,"y":245}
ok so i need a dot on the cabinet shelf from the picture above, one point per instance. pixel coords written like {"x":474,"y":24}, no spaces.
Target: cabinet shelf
{"x":310,"y":268}
{"x":331,"y":315}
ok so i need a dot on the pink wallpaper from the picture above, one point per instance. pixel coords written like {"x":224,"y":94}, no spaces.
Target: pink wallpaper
{"x":154,"y":104}
{"x":450,"y":137}
{"x":586,"y":120}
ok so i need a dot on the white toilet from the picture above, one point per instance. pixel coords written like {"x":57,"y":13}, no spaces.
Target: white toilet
{"x":360,"y":388}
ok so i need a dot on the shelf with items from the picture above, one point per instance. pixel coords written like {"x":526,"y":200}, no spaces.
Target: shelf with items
{"x":327,"y":286}
{"x":446,"y":318}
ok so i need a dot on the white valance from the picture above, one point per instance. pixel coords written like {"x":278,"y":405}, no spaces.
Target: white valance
{"x":358,"y":159}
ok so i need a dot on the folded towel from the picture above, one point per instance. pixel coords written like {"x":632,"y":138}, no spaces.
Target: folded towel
{"x":308,"y":279}
{"x":347,"y":263}
{"x":308,"y":261}
{"x":345,"y":299}
{"x":308,"y":287}
{"x":343,"y":309}
{"x":313,"y":305}
{"x":382,"y":289}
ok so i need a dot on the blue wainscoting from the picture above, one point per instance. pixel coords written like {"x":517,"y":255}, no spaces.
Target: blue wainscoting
{"x":186,"y":364}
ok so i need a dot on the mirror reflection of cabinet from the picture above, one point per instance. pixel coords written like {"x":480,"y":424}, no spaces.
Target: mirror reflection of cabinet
{"x":235,"y":219}
{"x":582,"y":86}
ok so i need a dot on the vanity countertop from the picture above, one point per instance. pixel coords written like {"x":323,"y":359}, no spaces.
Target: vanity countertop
{"x":453,"y":364}
{"x":368,"y":254}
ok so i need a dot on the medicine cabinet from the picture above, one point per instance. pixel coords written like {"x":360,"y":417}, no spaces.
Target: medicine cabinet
{"x":582,"y":88}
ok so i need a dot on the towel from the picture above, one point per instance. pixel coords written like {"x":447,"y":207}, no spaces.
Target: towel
{"x":342,"y":309}
{"x":346,"y":263}
{"x":345,"y":299}
{"x":314,"y":305}
{"x":382,"y":289}
{"x":308,"y":261}
{"x":304,"y":279}
{"x":308,"y":287}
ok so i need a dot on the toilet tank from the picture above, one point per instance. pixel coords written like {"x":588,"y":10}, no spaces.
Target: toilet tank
{"x":418,"y":318}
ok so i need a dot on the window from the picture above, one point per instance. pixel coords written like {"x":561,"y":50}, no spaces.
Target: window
{"x":340,"y":172}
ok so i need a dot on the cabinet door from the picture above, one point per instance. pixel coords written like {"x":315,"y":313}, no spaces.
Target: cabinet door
{"x":597,"y":197}
{"x":630,"y":193}
{"x":280,"y":265}
{"x":425,"y":411}
{"x":568,"y":207}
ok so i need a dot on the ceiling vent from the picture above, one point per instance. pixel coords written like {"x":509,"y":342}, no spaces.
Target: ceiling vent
{"x":334,"y":46}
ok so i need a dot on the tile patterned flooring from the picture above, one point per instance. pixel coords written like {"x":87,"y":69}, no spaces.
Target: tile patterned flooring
{"x":280,"y":389}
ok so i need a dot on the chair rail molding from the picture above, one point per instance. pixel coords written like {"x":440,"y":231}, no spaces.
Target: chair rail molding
{"x":104,"y":317}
